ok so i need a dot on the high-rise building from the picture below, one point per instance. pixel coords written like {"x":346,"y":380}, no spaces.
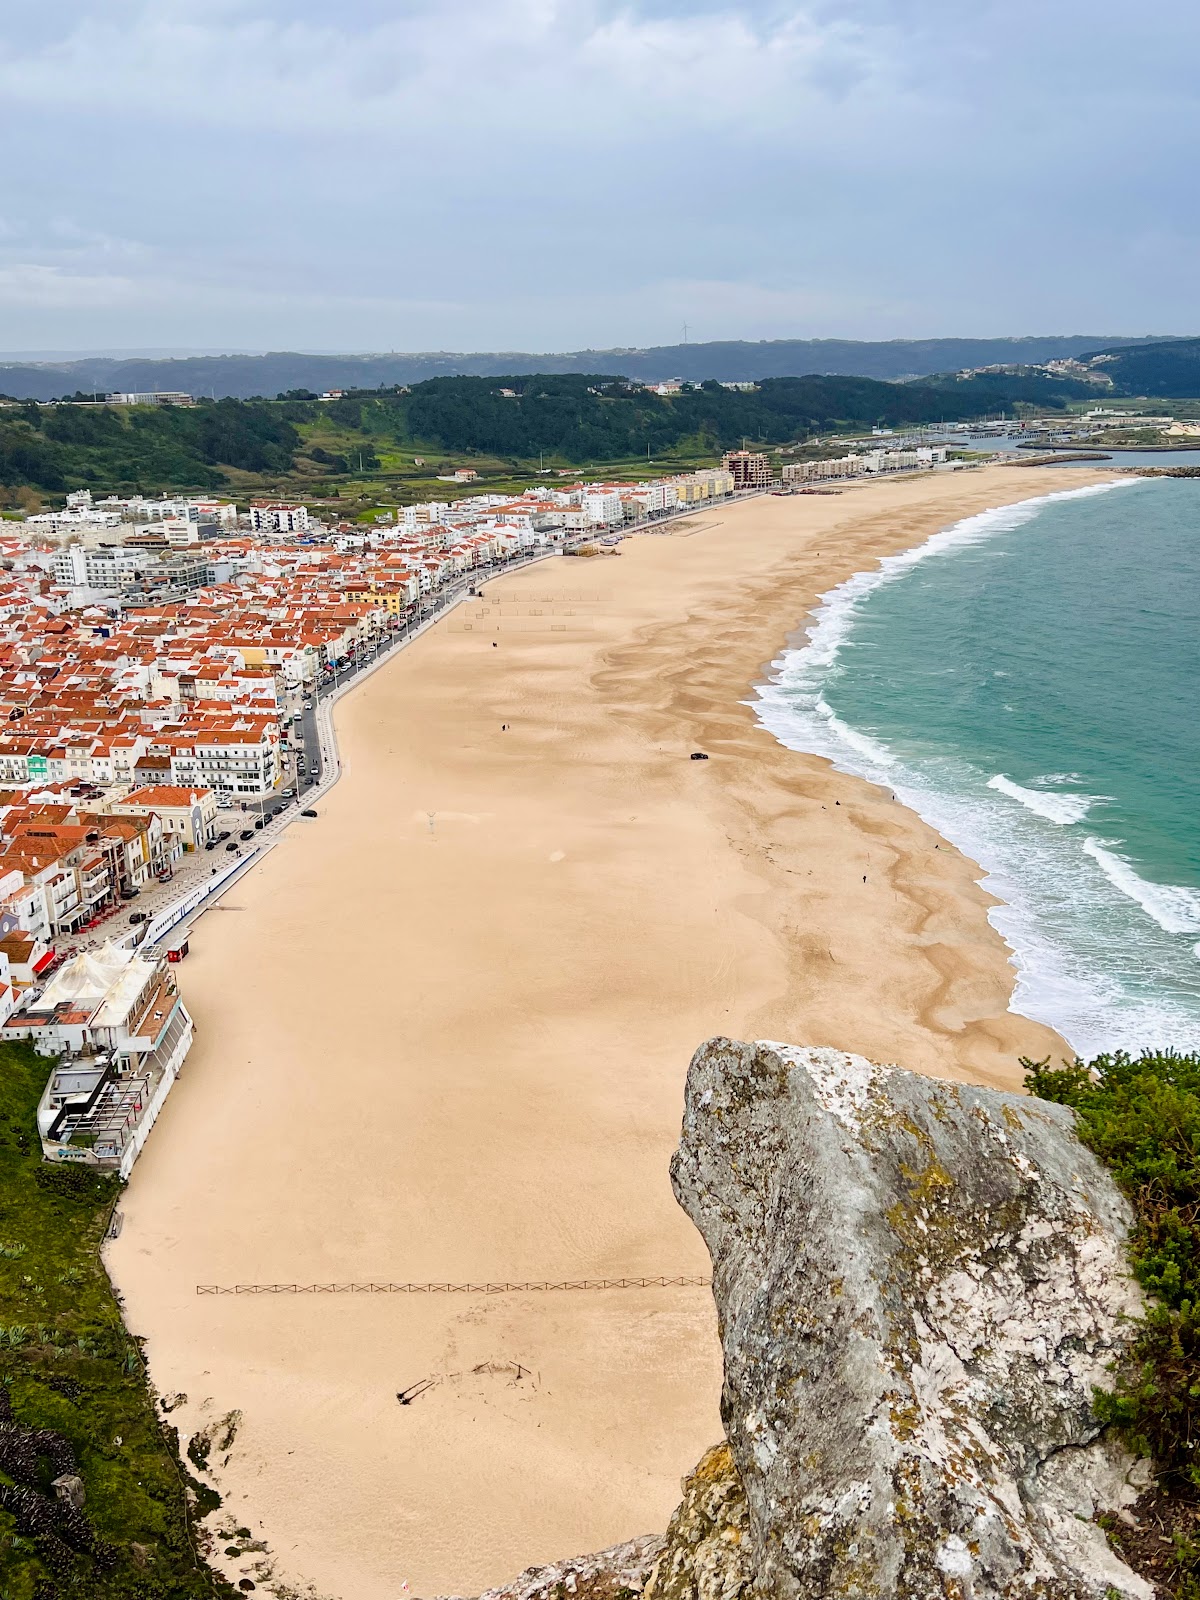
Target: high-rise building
{"x":750,"y":470}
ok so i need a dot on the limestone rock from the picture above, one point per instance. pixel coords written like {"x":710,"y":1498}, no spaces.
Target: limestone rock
{"x":618,"y":1573}
{"x":918,"y":1283}
{"x":69,"y":1488}
{"x":707,"y":1553}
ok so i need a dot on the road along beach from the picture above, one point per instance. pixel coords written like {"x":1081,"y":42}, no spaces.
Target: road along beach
{"x":443,"y":1031}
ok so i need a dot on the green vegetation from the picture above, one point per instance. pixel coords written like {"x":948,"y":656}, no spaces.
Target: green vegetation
{"x":1167,"y":370}
{"x":1142,"y":1118}
{"x":69,"y":1369}
{"x":247,"y":376}
{"x":142,"y":447}
{"x":544,"y":422}
{"x":580,"y":418}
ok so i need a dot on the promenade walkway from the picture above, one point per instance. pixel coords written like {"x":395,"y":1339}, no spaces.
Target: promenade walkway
{"x":174,"y":908}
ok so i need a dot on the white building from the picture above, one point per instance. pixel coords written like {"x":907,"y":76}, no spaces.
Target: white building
{"x":73,"y":520}
{"x":122,"y":1031}
{"x":193,"y":508}
{"x":110,"y":568}
{"x":233,"y":764}
{"x":268,"y":516}
{"x":426,"y":514}
{"x":602,"y":507}
{"x":869,"y":461}
{"x":160,"y":397}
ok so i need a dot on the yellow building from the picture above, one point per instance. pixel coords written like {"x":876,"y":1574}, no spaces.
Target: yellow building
{"x":394,"y":600}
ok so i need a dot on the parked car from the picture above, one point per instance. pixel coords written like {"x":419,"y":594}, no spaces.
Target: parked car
{"x":138,"y":916}
{"x":308,"y":812}
{"x":211,"y":845}
{"x":130,"y":894}
{"x":223,"y":835}
{"x":234,"y":846}
{"x":246,"y":833}
{"x":259,"y":823}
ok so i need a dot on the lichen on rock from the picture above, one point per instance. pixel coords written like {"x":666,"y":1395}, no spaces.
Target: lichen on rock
{"x":707,"y":1553}
{"x":619,"y":1573}
{"x":919,"y":1284}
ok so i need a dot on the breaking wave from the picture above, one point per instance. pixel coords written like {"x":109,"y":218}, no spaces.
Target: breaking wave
{"x":1061,"y":808}
{"x":1175,"y":908}
{"x":1064,"y":902}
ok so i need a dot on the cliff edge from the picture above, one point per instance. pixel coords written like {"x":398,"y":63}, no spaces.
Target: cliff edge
{"x":918,"y":1284}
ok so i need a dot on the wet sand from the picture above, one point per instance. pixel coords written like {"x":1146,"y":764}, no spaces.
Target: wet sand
{"x":443,"y":1032}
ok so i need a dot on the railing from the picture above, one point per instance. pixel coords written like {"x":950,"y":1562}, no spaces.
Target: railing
{"x":549,"y":1286}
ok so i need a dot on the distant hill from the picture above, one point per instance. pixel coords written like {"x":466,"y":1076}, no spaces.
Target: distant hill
{"x":247,"y":376}
{"x":1168,"y":371}
{"x":572,"y":419}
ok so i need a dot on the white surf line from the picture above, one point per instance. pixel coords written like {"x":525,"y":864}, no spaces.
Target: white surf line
{"x":1061,"y":808}
{"x":1175,"y":909}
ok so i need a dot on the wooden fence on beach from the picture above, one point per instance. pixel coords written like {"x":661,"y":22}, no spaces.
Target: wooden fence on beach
{"x":550,"y":1286}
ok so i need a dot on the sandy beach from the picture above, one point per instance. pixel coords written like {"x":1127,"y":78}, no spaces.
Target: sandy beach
{"x":443,"y":1031}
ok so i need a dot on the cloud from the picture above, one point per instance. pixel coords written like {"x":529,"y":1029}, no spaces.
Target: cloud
{"x":476,"y":63}
{"x":558,"y":173}
{"x":28,"y":285}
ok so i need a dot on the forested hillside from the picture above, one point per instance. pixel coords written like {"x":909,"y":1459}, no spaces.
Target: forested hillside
{"x":248,"y":376}
{"x":1169,"y":371}
{"x":69,"y":446}
{"x":597,"y":419}
{"x":570,"y":420}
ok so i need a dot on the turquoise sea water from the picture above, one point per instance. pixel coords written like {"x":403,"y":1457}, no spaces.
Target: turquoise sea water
{"x":1029,"y":681}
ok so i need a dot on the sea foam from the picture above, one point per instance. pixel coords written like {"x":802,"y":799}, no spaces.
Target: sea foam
{"x":1061,"y":808}
{"x":1041,"y":877}
{"x":1176,"y":909}
{"x":873,"y":749}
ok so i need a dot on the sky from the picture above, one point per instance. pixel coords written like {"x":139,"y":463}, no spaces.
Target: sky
{"x":566,"y":174}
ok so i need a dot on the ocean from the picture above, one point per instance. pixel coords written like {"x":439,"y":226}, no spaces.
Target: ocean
{"x":1027,"y":680}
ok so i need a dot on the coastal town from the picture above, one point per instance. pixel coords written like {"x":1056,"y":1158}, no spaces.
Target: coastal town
{"x":160,"y":662}
{"x":164,"y":664}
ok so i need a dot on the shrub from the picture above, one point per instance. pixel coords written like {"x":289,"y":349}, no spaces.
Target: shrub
{"x":1141,"y":1117}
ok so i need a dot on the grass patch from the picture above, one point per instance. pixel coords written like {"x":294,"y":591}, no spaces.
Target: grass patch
{"x":1141,"y":1117}
{"x":68,"y":1365}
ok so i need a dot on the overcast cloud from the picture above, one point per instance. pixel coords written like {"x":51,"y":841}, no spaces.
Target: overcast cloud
{"x":553,"y":174}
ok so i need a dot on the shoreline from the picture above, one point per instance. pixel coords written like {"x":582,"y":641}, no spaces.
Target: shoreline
{"x":519,"y":912}
{"x":849,"y":751}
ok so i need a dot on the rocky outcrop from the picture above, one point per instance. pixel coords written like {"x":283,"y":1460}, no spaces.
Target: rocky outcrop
{"x":619,"y":1573}
{"x":918,"y":1284}
{"x":707,"y":1553}
{"x":704,"y":1555}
